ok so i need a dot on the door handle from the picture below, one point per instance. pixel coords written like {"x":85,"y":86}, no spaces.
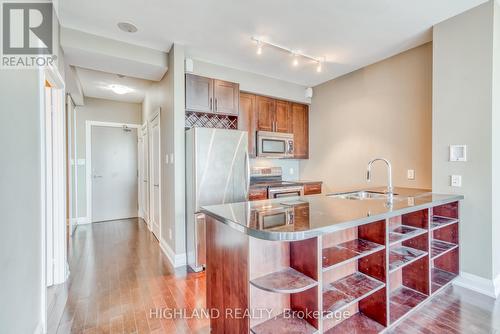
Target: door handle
{"x":97,"y":176}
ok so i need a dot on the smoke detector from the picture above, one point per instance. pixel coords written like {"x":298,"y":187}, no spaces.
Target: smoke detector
{"x":127,"y":27}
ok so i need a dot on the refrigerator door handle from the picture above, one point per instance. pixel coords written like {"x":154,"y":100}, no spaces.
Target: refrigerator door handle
{"x":247,"y":159}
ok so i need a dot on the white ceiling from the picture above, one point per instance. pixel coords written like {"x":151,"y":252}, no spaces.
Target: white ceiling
{"x":97,"y":84}
{"x":349,"y":33}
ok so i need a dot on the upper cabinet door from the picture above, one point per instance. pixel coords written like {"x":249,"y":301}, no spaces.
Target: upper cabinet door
{"x":227,"y":97}
{"x":247,"y":120}
{"x":266,"y":108}
{"x":199,"y":94}
{"x":283,"y":117}
{"x":300,"y":113}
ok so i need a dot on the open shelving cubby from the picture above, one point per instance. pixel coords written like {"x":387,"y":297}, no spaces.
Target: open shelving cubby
{"x":444,"y":245}
{"x":354,"y":279}
{"x":284,"y":277}
{"x":408,"y":263}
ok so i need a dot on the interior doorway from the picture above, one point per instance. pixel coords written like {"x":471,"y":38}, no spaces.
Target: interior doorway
{"x":112,"y":173}
{"x":53,"y":147}
{"x":143,"y":149}
{"x":154,"y":170}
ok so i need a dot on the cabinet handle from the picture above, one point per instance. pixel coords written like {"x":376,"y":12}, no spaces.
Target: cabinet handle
{"x":210,"y":104}
{"x":216,"y":104}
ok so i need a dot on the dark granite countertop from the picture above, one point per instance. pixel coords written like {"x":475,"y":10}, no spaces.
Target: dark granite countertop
{"x":325,"y":214}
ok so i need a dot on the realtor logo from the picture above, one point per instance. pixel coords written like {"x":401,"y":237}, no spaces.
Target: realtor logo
{"x":27,"y":30}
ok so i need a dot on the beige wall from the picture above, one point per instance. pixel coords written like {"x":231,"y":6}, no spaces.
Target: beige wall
{"x":168,"y":94}
{"x":383,"y":110}
{"x":465,"y":61}
{"x":104,"y":111}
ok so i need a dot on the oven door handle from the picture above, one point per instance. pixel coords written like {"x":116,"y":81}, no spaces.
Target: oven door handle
{"x":274,"y":191}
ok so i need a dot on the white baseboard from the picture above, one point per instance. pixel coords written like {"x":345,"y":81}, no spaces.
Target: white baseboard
{"x":80,"y":221}
{"x":177,"y":260}
{"x":479,"y":284}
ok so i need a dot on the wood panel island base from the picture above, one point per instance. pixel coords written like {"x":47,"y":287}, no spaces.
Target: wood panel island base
{"x":323,"y":264}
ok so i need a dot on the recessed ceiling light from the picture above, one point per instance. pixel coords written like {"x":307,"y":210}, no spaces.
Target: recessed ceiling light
{"x":120,"y":89}
{"x":127,"y":27}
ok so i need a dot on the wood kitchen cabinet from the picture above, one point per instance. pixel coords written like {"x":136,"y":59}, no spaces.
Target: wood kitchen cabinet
{"x":211,"y":96}
{"x":226,"y":97}
{"x":312,"y":188}
{"x":273,"y":115}
{"x":265,"y":113}
{"x":199,"y":93}
{"x":300,"y":126}
{"x":247,"y":120}
{"x":283,"y":117}
{"x":261,"y":113}
{"x":257,"y":194}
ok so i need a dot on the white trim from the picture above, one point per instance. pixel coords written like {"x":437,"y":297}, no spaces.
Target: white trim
{"x":58,"y":236}
{"x":496,"y":284}
{"x":43,"y":221}
{"x":479,"y":284}
{"x":177,"y":260}
{"x":155,"y":118}
{"x":88,"y":156}
{"x":80,"y":221}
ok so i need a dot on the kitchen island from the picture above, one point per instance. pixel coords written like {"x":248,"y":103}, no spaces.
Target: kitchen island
{"x":328,"y":264}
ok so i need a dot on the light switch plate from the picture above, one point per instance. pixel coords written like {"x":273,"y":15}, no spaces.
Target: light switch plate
{"x":292,"y":171}
{"x":411,"y":174}
{"x":456,"y":180}
{"x":458,"y":153}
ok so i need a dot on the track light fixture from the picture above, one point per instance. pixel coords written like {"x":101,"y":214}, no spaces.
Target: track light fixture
{"x":296,"y":54}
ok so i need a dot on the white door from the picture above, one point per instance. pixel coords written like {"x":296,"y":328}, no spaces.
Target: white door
{"x":154,"y":144}
{"x":143,"y":174}
{"x":114,"y":173}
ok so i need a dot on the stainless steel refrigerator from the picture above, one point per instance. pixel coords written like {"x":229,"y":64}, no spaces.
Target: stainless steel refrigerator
{"x":217,"y":172}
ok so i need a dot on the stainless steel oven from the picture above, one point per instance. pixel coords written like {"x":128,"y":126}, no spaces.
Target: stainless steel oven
{"x":274,"y":144}
{"x":288,"y":191}
{"x":273,"y":217}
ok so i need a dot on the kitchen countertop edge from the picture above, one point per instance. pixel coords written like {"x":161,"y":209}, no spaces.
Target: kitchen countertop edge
{"x":302,"y":235}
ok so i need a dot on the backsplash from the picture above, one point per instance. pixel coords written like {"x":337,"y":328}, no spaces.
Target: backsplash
{"x":290,"y":167}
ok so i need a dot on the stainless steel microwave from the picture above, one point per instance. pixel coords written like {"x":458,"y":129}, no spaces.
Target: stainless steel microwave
{"x":274,"y":144}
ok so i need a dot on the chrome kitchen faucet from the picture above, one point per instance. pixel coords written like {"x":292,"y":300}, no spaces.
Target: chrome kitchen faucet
{"x":390,"y":189}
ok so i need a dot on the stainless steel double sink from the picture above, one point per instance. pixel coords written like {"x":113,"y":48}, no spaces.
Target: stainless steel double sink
{"x":364,"y":195}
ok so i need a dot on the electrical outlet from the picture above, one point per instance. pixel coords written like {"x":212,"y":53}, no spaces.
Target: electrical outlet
{"x":456,"y":180}
{"x":411,"y":174}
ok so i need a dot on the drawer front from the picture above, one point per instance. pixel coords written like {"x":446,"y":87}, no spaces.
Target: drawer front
{"x":257,"y":194}
{"x":312,"y":188}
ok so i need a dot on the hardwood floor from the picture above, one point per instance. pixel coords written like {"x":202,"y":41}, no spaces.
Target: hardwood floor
{"x":119,"y":274}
